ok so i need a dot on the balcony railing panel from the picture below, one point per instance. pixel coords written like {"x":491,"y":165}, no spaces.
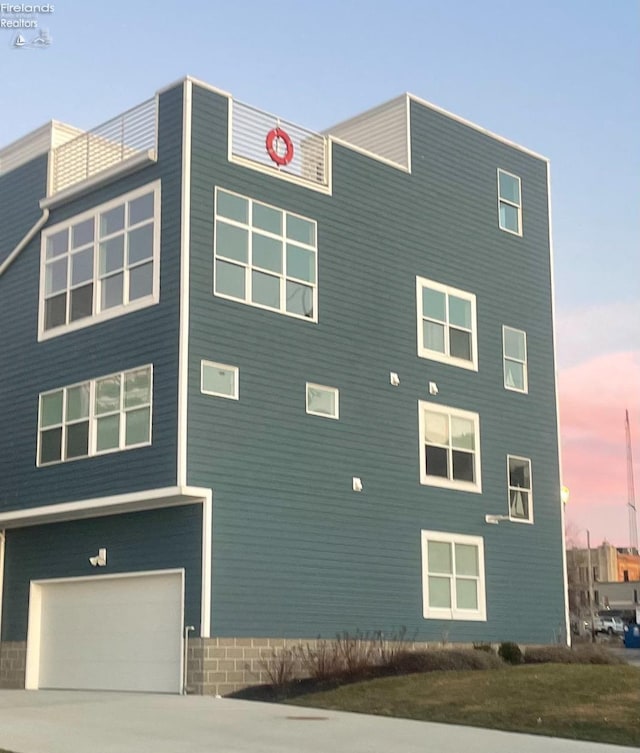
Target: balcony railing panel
{"x":250,"y":129}
{"x":128,"y":135}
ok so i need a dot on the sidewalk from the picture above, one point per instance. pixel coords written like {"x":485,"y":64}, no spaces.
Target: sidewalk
{"x":83,"y":722}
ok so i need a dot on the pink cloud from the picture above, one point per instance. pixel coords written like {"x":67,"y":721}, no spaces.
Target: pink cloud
{"x":593,"y":397}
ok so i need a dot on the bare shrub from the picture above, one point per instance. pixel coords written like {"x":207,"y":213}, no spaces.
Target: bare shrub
{"x":356,"y":652}
{"x":281,"y":666}
{"x":322,"y":662}
{"x":390,"y":645}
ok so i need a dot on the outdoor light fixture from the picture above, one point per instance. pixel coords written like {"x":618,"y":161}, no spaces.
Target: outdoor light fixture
{"x":495,"y":519}
{"x":394,"y":379}
{"x":433,"y":388}
{"x":356,"y":484}
{"x":100,"y":560}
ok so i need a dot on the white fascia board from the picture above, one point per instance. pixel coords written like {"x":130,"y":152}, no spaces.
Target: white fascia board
{"x":185,"y":251}
{"x":150,"y":499}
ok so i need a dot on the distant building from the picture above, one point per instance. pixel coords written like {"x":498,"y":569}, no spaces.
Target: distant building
{"x":611,"y":568}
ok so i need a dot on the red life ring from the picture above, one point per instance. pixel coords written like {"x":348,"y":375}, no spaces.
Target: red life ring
{"x":273,"y":135}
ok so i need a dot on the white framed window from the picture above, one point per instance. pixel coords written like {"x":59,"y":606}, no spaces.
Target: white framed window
{"x":520,"y":489}
{"x":514,"y":354}
{"x":509,"y":202}
{"x":453,"y":580}
{"x":102,"y":263}
{"x":107,"y":414}
{"x":449,"y":447}
{"x":447,"y":330}
{"x":322,"y":400}
{"x":220,"y":380}
{"x":265,"y":256}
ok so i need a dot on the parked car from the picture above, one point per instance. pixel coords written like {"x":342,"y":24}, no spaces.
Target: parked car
{"x":609,"y":624}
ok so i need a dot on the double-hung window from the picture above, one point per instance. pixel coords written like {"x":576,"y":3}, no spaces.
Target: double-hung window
{"x":514,"y":353}
{"x":101,"y":415}
{"x":449,"y":447}
{"x":520,"y":489}
{"x":453,"y":582}
{"x":265,"y":256}
{"x":447,"y":329}
{"x":102,"y":263}
{"x":509,"y":203}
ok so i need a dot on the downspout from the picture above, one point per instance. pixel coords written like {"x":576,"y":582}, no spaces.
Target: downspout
{"x":2,"y":537}
{"x":24,"y":242}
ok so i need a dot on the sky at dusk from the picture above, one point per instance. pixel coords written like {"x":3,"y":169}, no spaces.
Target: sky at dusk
{"x":561,"y":77}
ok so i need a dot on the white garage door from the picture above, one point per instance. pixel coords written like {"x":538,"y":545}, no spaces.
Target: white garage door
{"x":107,"y":633}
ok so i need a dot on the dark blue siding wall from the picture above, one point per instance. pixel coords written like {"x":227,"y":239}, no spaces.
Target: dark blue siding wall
{"x":28,"y":367}
{"x":296,"y":552}
{"x":155,"y":540}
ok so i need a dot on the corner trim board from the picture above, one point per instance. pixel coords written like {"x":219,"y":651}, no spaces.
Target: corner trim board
{"x":185,"y":241}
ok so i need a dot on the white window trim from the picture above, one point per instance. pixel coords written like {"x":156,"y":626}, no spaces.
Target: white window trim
{"x":434,"y":355}
{"x":92,"y":418}
{"x":506,"y":358}
{"x":435,"y":613}
{"x":116,"y":311}
{"x":528,"y":520}
{"x":236,"y":379}
{"x":336,"y":393}
{"x":249,"y":265}
{"x":510,"y":203}
{"x":444,"y":483}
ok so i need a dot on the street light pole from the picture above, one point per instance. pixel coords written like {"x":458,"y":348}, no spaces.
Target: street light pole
{"x":590,"y":579}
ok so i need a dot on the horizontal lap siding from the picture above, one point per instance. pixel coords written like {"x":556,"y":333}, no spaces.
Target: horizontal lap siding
{"x":146,"y":336}
{"x":155,"y":540}
{"x":296,"y":552}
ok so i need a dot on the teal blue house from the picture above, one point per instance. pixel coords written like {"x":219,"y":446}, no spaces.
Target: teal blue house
{"x":260,"y":383}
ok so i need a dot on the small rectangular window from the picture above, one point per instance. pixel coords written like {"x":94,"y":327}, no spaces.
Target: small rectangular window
{"x":322,"y":401}
{"x":219,"y":379}
{"x":449,"y":447}
{"x":514,"y":354}
{"x":453,"y":586}
{"x":509,"y":203}
{"x":520,"y":489}
{"x":107,"y":414}
{"x":446,"y":324}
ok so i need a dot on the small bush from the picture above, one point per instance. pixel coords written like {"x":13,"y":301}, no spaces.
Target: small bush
{"x":487,"y":647}
{"x":435,"y":660}
{"x":550,"y":655}
{"x":582,"y":654}
{"x":589,"y":653}
{"x":510,"y":652}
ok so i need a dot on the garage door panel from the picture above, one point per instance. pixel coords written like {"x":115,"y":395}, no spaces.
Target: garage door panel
{"x":112,"y":634}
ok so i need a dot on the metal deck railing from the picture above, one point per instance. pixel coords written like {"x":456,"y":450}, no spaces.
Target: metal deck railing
{"x":307,"y":158}
{"x":124,"y":137}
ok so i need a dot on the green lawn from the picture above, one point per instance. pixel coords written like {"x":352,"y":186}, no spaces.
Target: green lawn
{"x":582,"y":702}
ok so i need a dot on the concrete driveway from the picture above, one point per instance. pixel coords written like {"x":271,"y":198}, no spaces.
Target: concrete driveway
{"x":82,"y":722}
